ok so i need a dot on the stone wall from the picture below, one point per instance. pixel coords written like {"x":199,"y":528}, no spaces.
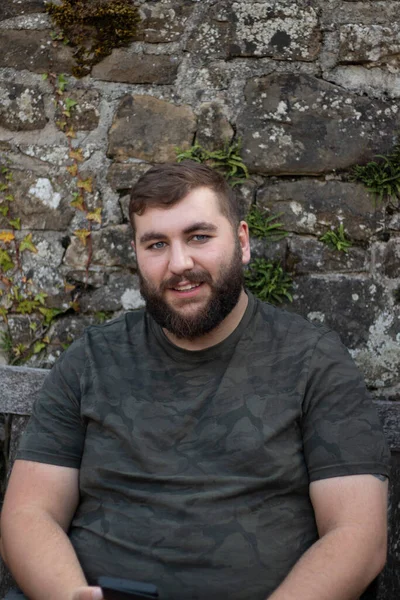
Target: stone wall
{"x":310,"y":87}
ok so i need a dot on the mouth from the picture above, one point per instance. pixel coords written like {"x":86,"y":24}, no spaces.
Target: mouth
{"x":187,"y":289}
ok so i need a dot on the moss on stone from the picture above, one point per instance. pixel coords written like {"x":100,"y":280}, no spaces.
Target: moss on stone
{"x":94,"y":28}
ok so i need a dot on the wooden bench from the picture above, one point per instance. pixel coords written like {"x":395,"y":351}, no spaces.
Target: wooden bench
{"x":19,"y":389}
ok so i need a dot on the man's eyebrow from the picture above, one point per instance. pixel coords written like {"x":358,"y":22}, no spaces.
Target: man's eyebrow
{"x":199,"y":226}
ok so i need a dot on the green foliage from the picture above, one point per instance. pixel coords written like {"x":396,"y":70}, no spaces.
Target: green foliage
{"x":396,"y":295}
{"x":226,"y":161}
{"x":94,"y":28}
{"x":336,"y":239}
{"x":102,"y":316}
{"x":6,"y":264}
{"x":381,"y":178}
{"x":268,"y":281}
{"x":265,"y":227}
{"x":6,"y":345}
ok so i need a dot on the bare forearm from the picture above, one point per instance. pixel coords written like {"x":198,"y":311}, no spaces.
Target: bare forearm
{"x":337,"y":567}
{"x":40,"y":556}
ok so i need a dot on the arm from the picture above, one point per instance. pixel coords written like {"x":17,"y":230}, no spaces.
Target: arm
{"x":40,"y":502}
{"x":351,"y":515}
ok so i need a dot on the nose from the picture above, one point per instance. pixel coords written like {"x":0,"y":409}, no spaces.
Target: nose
{"x":179,"y":259}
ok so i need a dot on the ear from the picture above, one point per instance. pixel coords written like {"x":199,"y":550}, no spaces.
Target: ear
{"x":244,"y":240}
{"x":133,"y":245}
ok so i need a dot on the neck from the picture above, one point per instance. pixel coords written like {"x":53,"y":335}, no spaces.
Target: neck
{"x":217,"y":335}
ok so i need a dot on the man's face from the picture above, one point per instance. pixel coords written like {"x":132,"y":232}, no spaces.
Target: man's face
{"x":190,"y":263}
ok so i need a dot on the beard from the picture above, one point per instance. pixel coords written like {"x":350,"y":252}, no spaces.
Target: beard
{"x":225,"y":293}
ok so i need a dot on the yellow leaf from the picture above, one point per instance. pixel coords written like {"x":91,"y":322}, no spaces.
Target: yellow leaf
{"x":73,"y":170}
{"x":46,"y":339}
{"x":82,"y":235}
{"x":6,"y":236}
{"x":69,"y":287}
{"x":27,"y":244}
{"x":75,"y":306}
{"x":86,"y":184}
{"x":71,"y":133}
{"x":78,"y":203}
{"x":76,"y":155}
{"x":95,"y":215}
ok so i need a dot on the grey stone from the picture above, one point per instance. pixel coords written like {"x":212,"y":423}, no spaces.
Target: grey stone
{"x":20,"y":387}
{"x":313,"y":206}
{"x":275,"y":251}
{"x":43,"y":267}
{"x":33,"y":50}
{"x":298,"y":124}
{"x":128,"y":67}
{"x":65,"y":330}
{"x":392,"y":259}
{"x":120,"y":292}
{"x":214,"y":130}
{"x":389,"y":413}
{"x":40,"y":202}
{"x":21,"y":107}
{"x":278,"y":29}
{"x":111,"y":248}
{"x":122,"y":176}
{"x":370,"y":44}
{"x":338,"y":301}
{"x":150,"y":129}
{"x":163,"y":21}
{"x":212,"y":37}
{"x":94,"y":278}
{"x":85,"y":114}
{"x":308,"y":255}
{"x":14,"y":8}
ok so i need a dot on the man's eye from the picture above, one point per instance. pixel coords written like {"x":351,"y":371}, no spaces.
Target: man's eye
{"x":157,"y":246}
{"x":200,"y":237}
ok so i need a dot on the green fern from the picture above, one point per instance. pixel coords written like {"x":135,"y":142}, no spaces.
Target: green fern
{"x":265,"y":227}
{"x":337,"y":240}
{"x":268,"y":281}
{"x":226,"y":161}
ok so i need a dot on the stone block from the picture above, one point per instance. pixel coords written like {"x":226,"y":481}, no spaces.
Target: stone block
{"x":347,"y":304}
{"x":370,"y":43}
{"x":126,"y":66}
{"x":21,"y":107}
{"x":122,"y":176}
{"x":111,"y":248}
{"x":40,"y":202}
{"x":214,"y":129}
{"x":391,"y":259}
{"x":120,"y":292}
{"x":163,"y":21}
{"x":66,"y":329}
{"x":20,"y":388}
{"x":212,"y":37}
{"x":14,"y":8}
{"x":85,"y":114}
{"x":34,"y":51}
{"x":293,"y":124}
{"x":275,"y":251}
{"x":275,"y":28}
{"x":308,"y":255}
{"x":150,"y":129}
{"x":312,"y":206}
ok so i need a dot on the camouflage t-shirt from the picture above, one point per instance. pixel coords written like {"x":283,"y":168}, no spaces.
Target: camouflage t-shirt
{"x":195,"y":466}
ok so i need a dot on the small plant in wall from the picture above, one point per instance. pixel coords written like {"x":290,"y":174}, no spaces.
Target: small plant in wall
{"x":226,"y":161}
{"x":93,"y":28}
{"x":265,"y":226}
{"x":18,"y":293}
{"x":382,"y":178}
{"x":336,"y":239}
{"x":84,"y":185}
{"x":268,"y":281}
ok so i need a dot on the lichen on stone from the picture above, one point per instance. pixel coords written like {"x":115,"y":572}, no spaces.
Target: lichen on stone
{"x":94,"y":28}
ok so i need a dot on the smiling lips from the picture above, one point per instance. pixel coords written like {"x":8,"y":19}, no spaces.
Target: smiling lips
{"x":187,"y":288}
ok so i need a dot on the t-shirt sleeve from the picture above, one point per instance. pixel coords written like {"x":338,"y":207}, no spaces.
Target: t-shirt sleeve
{"x":56,"y":432}
{"x":342,"y":434}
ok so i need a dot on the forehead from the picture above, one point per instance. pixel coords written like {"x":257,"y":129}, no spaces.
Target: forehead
{"x":201,"y":204}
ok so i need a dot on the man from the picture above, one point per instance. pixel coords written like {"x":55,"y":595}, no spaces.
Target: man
{"x":213,"y":445}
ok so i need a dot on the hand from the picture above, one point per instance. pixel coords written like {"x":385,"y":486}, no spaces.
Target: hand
{"x":88,"y":593}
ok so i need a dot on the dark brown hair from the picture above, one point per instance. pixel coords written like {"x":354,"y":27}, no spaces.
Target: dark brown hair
{"x":165,"y":185}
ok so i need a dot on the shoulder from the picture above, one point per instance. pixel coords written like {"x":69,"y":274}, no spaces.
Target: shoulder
{"x":289,"y":328}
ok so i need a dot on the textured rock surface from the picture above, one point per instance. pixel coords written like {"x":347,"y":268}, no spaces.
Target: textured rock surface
{"x":21,"y":108}
{"x":313,"y":206}
{"x":150,"y":129}
{"x":298,"y":124}
{"x":127,"y":67}
{"x":33,"y":50}
{"x":214,"y":130}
